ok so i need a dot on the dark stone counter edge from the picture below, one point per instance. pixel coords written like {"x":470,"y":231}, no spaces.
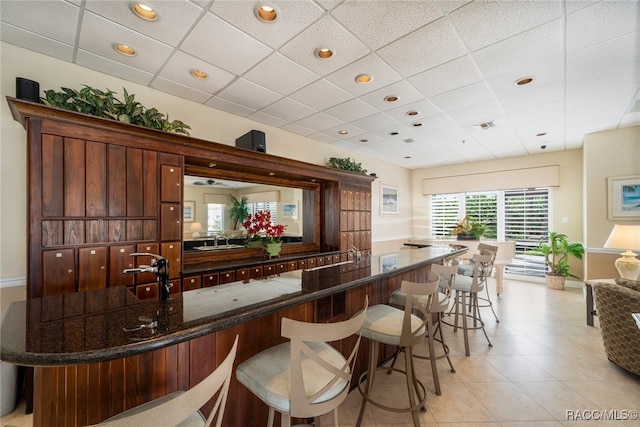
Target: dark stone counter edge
{"x":113,"y":353}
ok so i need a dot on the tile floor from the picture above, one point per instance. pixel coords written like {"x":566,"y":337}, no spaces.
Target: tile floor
{"x":545,"y":365}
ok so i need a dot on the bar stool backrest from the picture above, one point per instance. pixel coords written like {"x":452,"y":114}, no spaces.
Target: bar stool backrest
{"x":413,"y":335}
{"x":447,"y":275}
{"x":482,"y":268}
{"x":302,"y":335}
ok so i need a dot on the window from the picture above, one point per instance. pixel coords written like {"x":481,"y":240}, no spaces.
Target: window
{"x":521,"y":215}
{"x":215,"y":217}
{"x":265,"y":206}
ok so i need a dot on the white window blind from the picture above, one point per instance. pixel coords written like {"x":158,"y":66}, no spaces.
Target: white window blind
{"x":482,"y":207}
{"x":445,"y":213}
{"x":215,"y":217}
{"x":265,"y":206}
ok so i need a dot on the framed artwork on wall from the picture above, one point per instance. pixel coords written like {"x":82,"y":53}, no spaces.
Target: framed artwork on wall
{"x":388,"y":199}
{"x":388,"y":262}
{"x":290,"y":210}
{"x":623,"y":197}
{"x":189,"y":213}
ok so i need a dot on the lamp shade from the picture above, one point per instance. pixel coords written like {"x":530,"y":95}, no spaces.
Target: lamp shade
{"x":626,"y":237}
{"x":196,"y":227}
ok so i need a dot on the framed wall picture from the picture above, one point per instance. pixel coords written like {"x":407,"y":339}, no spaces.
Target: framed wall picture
{"x":189,"y":213}
{"x":290,"y":210}
{"x":388,"y":262}
{"x":624,"y":197}
{"x":388,"y":199}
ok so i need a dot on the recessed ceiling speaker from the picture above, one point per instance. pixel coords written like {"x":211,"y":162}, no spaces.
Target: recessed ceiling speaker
{"x":253,"y":140}
{"x":27,"y":90}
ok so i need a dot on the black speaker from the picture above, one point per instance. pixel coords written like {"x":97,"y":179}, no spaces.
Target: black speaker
{"x":253,"y":140}
{"x":27,"y":90}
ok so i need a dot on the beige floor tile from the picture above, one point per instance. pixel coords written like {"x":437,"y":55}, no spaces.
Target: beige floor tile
{"x":508,"y":403}
{"x":458,"y":404}
{"x":517,"y":368}
{"x":556,"y":397}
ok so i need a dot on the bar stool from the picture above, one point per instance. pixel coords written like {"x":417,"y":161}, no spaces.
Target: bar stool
{"x":467,"y":270}
{"x":181,"y":408}
{"x":389,"y":325}
{"x":438,"y":307}
{"x":466,"y":287}
{"x":305,"y":377}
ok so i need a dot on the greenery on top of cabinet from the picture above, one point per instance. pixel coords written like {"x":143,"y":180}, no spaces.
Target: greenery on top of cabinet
{"x":346,"y":164}
{"x":104,"y":104}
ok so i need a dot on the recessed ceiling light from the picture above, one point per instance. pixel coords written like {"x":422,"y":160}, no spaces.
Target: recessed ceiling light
{"x":541,"y":134}
{"x":145,"y":12}
{"x":391,"y":98}
{"x":393,"y":133}
{"x":266,"y":13}
{"x":124,"y":49}
{"x":324,"y":53}
{"x":416,"y":124}
{"x":363,"y":79}
{"x":199,"y":74}
{"x":407,"y":157}
{"x":363,"y":140}
{"x":524,"y":81}
{"x":412,"y":113}
{"x":343,"y":132}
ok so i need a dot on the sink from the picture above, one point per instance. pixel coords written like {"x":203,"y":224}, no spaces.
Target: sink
{"x":218,"y":248}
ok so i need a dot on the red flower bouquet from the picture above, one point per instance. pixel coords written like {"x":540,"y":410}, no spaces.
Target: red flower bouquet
{"x":260,"y":224}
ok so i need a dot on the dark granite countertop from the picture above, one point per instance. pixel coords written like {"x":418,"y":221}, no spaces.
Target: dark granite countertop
{"x":111,"y":323}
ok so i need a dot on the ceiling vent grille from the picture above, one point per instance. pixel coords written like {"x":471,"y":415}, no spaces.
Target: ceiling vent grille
{"x":484,"y":126}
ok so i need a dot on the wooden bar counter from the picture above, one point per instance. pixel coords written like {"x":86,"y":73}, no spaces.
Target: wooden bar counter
{"x":93,"y":358}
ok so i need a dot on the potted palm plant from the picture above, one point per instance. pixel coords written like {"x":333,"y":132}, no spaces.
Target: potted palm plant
{"x":557,"y":250}
{"x":238,"y":211}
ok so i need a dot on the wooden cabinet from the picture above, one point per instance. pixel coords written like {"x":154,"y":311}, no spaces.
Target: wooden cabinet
{"x":120,"y":259}
{"x":58,"y":270}
{"x":171,"y":251}
{"x":147,"y":291}
{"x":171,"y":220}
{"x":210,"y":279}
{"x":92,"y":268}
{"x":227,"y":276}
{"x":190,"y":283}
{"x":171,"y":184}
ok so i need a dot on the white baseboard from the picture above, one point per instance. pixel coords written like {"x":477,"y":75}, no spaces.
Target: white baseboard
{"x":13,"y":281}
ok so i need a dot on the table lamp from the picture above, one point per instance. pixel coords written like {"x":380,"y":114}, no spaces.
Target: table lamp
{"x":626,"y":237}
{"x":196,"y":227}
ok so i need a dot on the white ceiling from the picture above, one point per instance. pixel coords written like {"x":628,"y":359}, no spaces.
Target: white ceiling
{"x":454,"y":61}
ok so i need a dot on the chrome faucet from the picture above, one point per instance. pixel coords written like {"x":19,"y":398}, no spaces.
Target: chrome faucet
{"x":159,"y":266}
{"x":356,"y":252}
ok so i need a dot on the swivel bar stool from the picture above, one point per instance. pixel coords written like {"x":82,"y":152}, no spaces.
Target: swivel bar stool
{"x":389,"y":325}
{"x":438,"y":306}
{"x":467,"y":270}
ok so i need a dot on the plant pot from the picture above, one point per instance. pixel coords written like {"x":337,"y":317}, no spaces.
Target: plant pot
{"x":273,"y":249}
{"x":554,"y":281}
{"x":253,"y":243}
{"x":467,"y":236}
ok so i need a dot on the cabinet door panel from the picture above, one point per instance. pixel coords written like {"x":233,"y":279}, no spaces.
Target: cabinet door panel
{"x":171,"y":251}
{"x":150,"y":182}
{"x":211,"y":279}
{"x":255,"y":272}
{"x":117,"y":180}
{"x":117,"y":231}
{"x":74,"y":177}
{"x":147,"y":291}
{"x":170,"y":221}
{"x":190,"y":283}
{"x":52,"y":176}
{"x":58,"y":272}
{"x":97,"y":231}
{"x":52,"y":233}
{"x":227,"y":277}
{"x":135,"y":230}
{"x":119,"y":259}
{"x":171,"y":186}
{"x":135,"y":205}
{"x":92,"y":268}
{"x":96,"y":179}
{"x":73,"y":232}
{"x":149,"y":248}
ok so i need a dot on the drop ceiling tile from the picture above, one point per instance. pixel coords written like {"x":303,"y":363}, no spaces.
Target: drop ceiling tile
{"x":481,"y":24}
{"x":424,"y":108}
{"x":319,"y":122}
{"x":229,"y":107}
{"x":293,"y":17}
{"x":337,"y":131}
{"x":321,"y":94}
{"x":627,"y":74}
{"x":177,"y":89}
{"x":630,"y":119}
{"x":288,"y":110}
{"x":548,"y":112}
{"x":609,"y":54}
{"x":260,"y":116}
{"x":606,"y":103}
{"x":462,"y":97}
{"x":322,"y":137}
{"x":528,"y":48}
{"x":605,"y":20}
{"x":351,"y":110}
{"x":281,"y":74}
{"x":297,"y":129}
{"x":178,"y":69}
{"x":326,"y":33}
{"x":452,"y":75}
{"x":396,"y":133}
{"x":543,"y":73}
{"x":57,"y":20}
{"x":478,"y":155}
{"x":478,"y":113}
{"x":37,"y":43}
{"x":150,"y":54}
{"x":434,"y":122}
{"x":175,"y":18}
{"x":531,"y":98}
{"x":381,"y":22}
{"x":113,"y":68}
{"x":249,"y":94}
{"x":430,"y":46}
{"x":406,"y":94}
{"x":382,"y":74}
{"x":364,"y":139}
{"x":449,"y":137}
{"x":375,"y":122}
{"x":210,"y":40}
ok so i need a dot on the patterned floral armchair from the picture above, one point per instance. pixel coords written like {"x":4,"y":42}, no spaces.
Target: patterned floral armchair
{"x":620,"y":334}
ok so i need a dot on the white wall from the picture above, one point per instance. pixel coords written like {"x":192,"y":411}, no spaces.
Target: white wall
{"x":206,"y":123}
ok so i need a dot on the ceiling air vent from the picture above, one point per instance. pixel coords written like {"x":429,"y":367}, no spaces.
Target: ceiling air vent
{"x":484,"y":126}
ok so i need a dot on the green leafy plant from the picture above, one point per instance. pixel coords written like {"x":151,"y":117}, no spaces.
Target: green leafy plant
{"x":469,"y":227}
{"x":239,"y":210}
{"x":100,"y":103}
{"x":346,"y":164}
{"x":557,"y":250}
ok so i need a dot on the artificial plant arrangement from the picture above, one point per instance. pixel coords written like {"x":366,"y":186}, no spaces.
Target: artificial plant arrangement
{"x":104,"y":104}
{"x":346,"y":164}
{"x":468,"y":229}
{"x":557,"y":250}
{"x":239,"y":210}
{"x":259,"y":225}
